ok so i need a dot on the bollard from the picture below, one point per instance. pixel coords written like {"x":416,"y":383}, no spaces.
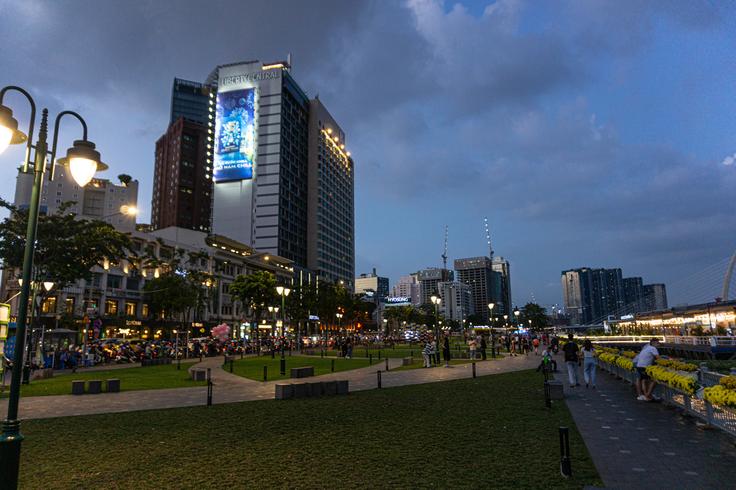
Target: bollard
{"x":209,"y":387}
{"x":178,"y":363}
{"x":289,"y":351}
{"x":387,"y":364}
{"x":474,"y":369}
{"x":200,"y":357}
{"x":379,"y":354}
{"x":322,"y":354}
{"x":332,"y":366}
{"x":378,"y":374}
{"x":265,"y":373}
{"x":231,"y":365}
{"x":241,"y":354}
{"x":283,"y":366}
{"x":565,"y":467}
{"x":366,"y":353}
{"x":273,"y":353}
{"x":370,"y":359}
{"x":547,"y":396}
{"x":411,"y":353}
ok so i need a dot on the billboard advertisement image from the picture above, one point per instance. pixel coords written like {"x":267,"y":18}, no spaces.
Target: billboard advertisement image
{"x":235,"y":136}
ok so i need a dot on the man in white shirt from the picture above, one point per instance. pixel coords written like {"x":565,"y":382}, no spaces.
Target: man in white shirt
{"x":646,"y":358}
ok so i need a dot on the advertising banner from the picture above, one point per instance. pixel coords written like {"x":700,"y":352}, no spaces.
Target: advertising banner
{"x":235,"y":136}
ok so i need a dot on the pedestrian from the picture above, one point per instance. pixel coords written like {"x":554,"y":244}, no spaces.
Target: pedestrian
{"x":572,"y":360}
{"x":589,"y":364}
{"x":483,"y":347}
{"x":435,"y":352}
{"x":646,"y":358}
{"x":471,"y":348}
{"x":446,"y":351}
{"x":535,"y":343}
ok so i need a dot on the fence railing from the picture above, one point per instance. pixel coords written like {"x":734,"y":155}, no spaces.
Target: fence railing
{"x":711,"y":340}
{"x":723,"y":418}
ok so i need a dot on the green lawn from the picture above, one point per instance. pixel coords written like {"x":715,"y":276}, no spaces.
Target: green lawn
{"x":489,"y":432}
{"x":133,"y":378}
{"x":419,"y":363}
{"x":252,"y":367}
{"x":399,"y":351}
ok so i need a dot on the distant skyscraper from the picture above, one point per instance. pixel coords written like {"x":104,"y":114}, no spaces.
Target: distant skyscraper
{"x":189,"y":100}
{"x":633,"y":295}
{"x":429,"y":280}
{"x":372,"y":282}
{"x":485,"y":284}
{"x":655,"y":297}
{"x":592,"y":295}
{"x":182,"y":191}
{"x":502,"y":266}
{"x":407,"y":287}
{"x":457,"y":300}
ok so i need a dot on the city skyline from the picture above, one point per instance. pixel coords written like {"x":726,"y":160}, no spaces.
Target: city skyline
{"x":552,"y":132}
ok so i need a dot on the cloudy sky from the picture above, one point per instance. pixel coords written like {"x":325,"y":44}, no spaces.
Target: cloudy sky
{"x":596,"y":133}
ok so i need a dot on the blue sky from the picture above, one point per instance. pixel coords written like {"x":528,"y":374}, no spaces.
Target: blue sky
{"x":589,"y":133}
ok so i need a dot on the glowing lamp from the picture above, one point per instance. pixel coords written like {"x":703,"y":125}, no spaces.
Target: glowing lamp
{"x":83,"y":161}
{"x":9,"y":134}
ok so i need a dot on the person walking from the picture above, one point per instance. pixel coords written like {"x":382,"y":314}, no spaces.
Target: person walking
{"x":535,"y":343}
{"x":572,"y":360}
{"x":446,"y":351}
{"x":426,"y":353}
{"x":483,"y":347}
{"x":589,"y":363}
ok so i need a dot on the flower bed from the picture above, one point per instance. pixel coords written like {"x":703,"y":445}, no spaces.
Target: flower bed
{"x":721,"y":396}
{"x":677,"y":365}
{"x":674,"y":379}
{"x":625,"y":363}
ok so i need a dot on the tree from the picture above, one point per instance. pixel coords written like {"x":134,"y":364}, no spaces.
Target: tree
{"x":170,"y":295}
{"x":66,"y":247}
{"x":125,"y":179}
{"x":536,"y":314}
{"x":256,"y":292}
{"x":301,"y":302}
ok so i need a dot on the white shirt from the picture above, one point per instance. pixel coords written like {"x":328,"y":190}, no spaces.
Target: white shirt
{"x":646,"y":356}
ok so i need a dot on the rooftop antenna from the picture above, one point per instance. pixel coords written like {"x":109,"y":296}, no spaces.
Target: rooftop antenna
{"x":444,"y":255}
{"x":488,"y":239}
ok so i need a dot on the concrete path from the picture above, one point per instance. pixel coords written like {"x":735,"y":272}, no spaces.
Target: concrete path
{"x":647,"y":445}
{"x":230,"y":388}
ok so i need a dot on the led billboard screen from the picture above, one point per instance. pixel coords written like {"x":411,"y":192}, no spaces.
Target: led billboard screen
{"x":235,"y":136}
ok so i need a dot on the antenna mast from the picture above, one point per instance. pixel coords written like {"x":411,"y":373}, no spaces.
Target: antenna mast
{"x":488,"y":239}
{"x":444,"y":255}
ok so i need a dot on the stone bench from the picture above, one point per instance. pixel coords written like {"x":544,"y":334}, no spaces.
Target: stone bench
{"x":94,"y":386}
{"x":555,"y":389}
{"x":78,"y":387}
{"x":302,"y":372}
{"x":407,"y":361}
{"x":285,"y":391}
{"x":112,"y":385}
{"x":198,"y":374}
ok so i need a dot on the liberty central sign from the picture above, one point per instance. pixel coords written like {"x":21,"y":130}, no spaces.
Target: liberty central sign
{"x":250,"y":77}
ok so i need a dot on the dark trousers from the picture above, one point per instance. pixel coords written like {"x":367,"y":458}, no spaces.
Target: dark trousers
{"x":483,"y":354}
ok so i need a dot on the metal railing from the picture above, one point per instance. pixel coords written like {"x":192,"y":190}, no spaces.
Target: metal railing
{"x":723,"y":418}
{"x":711,"y":340}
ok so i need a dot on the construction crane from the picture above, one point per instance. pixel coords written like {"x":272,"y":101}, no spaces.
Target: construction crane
{"x":488,"y":239}
{"x":444,"y":255}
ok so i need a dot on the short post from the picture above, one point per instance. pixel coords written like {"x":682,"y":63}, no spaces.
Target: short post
{"x":379,"y":354}
{"x":283,"y":366}
{"x":265,"y":373}
{"x":378,"y":375}
{"x":547,"y":394}
{"x":370,"y":359}
{"x":366,"y":353}
{"x":241,"y":352}
{"x":209,"y":387}
{"x":273,"y":353}
{"x":289,"y":350}
{"x":332,"y":366}
{"x":387,"y":364}
{"x":565,"y":466}
{"x":474,"y":369}
{"x":231,"y":364}
{"x":178,"y":363}
{"x":322,"y":354}
{"x":411,"y":353}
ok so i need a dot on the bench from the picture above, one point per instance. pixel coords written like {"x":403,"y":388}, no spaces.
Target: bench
{"x":555,"y":389}
{"x":407,"y":361}
{"x":302,"y":372}
{"x":78,"y":387}
{"x":198,"y":374}
{"x":94,"y":386}
{"x":285,"y":391}
{"x":112,"y":385}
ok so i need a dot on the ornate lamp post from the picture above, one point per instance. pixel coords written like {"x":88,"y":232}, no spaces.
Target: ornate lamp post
{"x":493,"y":338}
{"x":516,"y":316}
{"x":83,"y":161}
{"x":283,"y":292}
{"x":436,"y":300}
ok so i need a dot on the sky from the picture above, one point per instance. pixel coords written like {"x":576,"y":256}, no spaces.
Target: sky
{"x":597,"y":133}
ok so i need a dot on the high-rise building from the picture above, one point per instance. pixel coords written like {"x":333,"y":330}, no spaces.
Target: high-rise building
{"x":101,"y":199}
{"x":633,"y":295}
{"x":485,"y":284}
{"x":331,"y":216}
{"x":655,"y":297}
{"x":182,"y":191}
{"x":283,"y":179}
{"x":372,"y":283}
{"x":189,"y":100}
{"x":429,"y":280}
{"x":457,"y":300}
{"x":407,"y":287}
{"x":503,"y":267}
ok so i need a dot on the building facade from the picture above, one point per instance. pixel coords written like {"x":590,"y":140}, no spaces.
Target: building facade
{"x":407,"y":287}
{"x":633,"y":295}
{"x":101,"y":199}
{"x":654,"y":297}
{"x":374,"y":283}
{"x":503,"y":267}
{"x":457,"y":300}
{"x":485,"y":284}
{"x":429,"y":280}
{"x":182,"y":189}
{"x":189,"y":100}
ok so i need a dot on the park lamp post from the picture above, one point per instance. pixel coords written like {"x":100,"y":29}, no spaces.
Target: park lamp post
{"x":493,"y":338}
{"x":516,"y":317}
{"x":436,"y":300}
{"x":35,"y":289}
{"x":339,"y":316}
{"x":283,"y":292}
{"x":82,"y":160}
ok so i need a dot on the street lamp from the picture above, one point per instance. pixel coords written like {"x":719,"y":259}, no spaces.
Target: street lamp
{"x":436,"y":300}
{"x":516,"y":315}
{"x":339,"y":321}
{"x":493,"y":338}
{"x":83,"y":161}
{"x":125,"y":210}
{"x":283,"y":292}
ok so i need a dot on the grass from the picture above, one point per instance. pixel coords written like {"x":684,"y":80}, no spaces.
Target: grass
{"x":489,"y":432}
{"x":252,"y":367}
{"x":399,"y":351}
{"x":133,"y":378}
{"x":419,"y":363}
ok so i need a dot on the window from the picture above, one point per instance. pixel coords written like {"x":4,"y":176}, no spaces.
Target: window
{"x":114,"y":281}
{"x":69,"y":306}
{"x":111,"y":307}
{"x":130,"y":308}
{"x":49,"y":305}
{"x":144,"y":311}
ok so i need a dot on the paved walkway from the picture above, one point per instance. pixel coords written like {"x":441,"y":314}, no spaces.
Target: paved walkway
{"x":230,"y":388}
{"x":647,"y":445}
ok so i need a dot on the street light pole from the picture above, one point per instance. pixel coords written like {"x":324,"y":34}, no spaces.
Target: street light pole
{"x":83,"y":160}
{"x":436,"y":300}
{"x":283,"y":292}
{"x":493,"y":338}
